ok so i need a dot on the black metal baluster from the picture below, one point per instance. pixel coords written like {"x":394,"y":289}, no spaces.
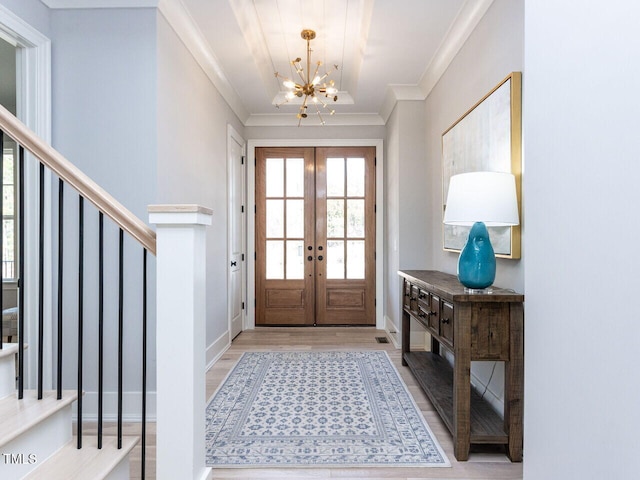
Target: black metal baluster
{"x":60,"y":281}
{"x":41,"y":282}
{"x":100,"y":324}
{"x":120,"y":328}
{"x":80,"y":311}
{"x":21,"y":276}
{"x":144,"y":362}
{"x":1,"y":225}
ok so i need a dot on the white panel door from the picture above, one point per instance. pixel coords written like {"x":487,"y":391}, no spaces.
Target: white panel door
{"x":236,"y":235}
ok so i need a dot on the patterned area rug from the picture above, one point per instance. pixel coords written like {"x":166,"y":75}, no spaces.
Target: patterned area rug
{"x":317,"y":409}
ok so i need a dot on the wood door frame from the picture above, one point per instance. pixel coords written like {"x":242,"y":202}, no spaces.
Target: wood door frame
{"x":250,"y":319}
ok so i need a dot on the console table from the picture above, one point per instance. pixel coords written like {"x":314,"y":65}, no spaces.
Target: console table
{"x":487,"y":326}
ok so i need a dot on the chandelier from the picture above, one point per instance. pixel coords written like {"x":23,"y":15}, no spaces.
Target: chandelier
{"x":314,"y":88}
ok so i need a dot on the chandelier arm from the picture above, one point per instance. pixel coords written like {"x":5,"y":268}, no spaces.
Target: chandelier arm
{"x":300,"y":72}
{"x":303,"y":107}
{"x":319,"y":115}
{"x":315,"y":74}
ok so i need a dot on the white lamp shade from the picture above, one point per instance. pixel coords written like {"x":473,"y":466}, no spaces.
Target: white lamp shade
{"x":488,"y":197}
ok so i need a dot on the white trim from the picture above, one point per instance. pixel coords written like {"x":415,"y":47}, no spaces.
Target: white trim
{"x":217,"y":349}
{"x":33,"y":107}
{"x":100,"y":3}
{"x":131,"y":407}
{"x":392,"y":331}
{"x":464,"y":24}
{"x":290,"y":120}
{"x":251,"y":189}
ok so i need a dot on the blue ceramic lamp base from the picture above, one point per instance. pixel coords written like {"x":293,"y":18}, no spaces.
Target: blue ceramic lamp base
{"x":477,"y":262}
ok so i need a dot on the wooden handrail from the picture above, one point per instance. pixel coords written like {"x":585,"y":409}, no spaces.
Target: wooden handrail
{"x":78,"y":180}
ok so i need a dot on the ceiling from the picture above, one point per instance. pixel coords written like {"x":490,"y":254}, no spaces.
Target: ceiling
{"x":386,"y":50}
{"x":383,"y":50}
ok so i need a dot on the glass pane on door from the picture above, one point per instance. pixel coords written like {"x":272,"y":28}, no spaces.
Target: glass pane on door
{"x":284,"y":217}
{"x":345,"y":218}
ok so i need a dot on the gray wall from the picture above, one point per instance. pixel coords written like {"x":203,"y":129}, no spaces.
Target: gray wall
{"x":492,"y":51}
{"x":581,"y":186}
{"x":104,"y":111}
{"x":192,"y":157}
{"x":34,"y":12}
{"x":406,"y":202}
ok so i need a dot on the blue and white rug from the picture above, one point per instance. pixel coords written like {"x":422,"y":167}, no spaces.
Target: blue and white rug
{"x":317,"y":409}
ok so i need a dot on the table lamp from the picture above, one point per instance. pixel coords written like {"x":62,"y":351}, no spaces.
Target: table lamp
{"x":480,"y":199}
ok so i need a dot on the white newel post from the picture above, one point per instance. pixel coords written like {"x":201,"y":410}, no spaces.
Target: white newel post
{"x":180,"y":339}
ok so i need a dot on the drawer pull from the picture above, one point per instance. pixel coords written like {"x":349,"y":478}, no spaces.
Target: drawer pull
{"x":445,"y":320}
{"x":422,"y":314}
{"x":422,"y":295}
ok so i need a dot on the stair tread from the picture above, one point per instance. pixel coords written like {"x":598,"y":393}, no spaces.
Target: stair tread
{"x":18,"y":416}
{"x":88,"y":462}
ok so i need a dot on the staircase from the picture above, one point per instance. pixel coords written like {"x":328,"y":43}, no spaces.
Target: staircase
{"x":36,"y":440}
{"x":36,"y":426}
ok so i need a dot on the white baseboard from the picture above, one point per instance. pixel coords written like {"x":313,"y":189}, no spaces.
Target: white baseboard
{"x":217,"y":349}
{"x":392,"y":331}
{"x":131,"y":407}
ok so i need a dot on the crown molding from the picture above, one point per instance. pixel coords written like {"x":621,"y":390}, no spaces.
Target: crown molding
{"x":70,"y":4}
{"x":290,"y":120}
{"x":188,"y":31}
{"x":186,"y":28}
{"x":183,"y":24}
{"x":397,"y":93}
{"x":463,"y":25}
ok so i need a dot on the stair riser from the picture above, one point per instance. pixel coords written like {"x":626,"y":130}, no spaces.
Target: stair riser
{"x":121,"y":472}
{"x":7,"y":376}
{"x":41,"y":441}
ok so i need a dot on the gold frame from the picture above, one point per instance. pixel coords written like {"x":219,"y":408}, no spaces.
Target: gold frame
{"x":469,"y":125}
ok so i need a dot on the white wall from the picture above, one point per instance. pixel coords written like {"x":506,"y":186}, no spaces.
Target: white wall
{"x":104,"y":110}
{"x":582,"y":326}
{"x":192,"y":161}
{"x":492,"y":51}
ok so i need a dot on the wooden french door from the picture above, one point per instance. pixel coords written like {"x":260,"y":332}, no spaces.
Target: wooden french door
{"x":315,"y":236}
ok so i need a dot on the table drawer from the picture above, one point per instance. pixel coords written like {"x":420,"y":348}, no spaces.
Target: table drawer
{"x":424,"y":299}
{"x":406,"y":296}
{"x":446,"y":323}
{"x":413,"y":299}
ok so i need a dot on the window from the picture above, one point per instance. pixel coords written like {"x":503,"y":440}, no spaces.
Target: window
{"x":8,"y":210}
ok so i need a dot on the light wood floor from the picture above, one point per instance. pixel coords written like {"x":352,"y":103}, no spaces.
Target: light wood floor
{"x":481,"y":465}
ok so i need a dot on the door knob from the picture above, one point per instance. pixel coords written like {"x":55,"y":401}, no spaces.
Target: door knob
{"x":309,"y":258}
{"x":320,"y":257}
